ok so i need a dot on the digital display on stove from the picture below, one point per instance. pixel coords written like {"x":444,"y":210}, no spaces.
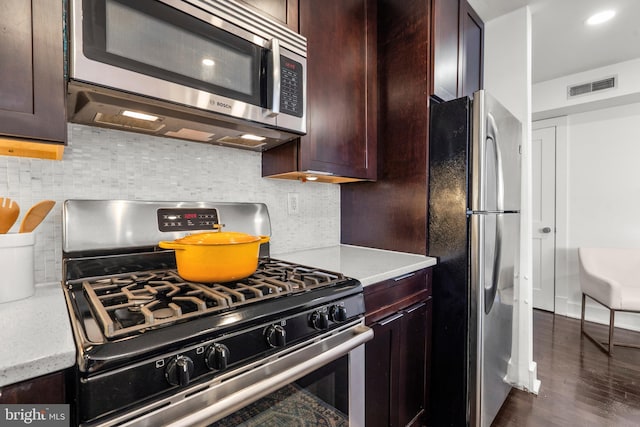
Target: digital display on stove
{"x":187,"y":219}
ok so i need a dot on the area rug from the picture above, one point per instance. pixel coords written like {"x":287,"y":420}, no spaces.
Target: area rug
{"x":290,"y":406}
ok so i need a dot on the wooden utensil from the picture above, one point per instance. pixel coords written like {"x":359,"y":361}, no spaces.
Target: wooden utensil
{"x":35,"y":215}
{"x":9,"y":211}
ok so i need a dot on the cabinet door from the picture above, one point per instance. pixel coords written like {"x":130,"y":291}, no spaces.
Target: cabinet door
{"x":341,"y":87}
{"x":32,"y":104}
{"x":458,"y":34}
{"x":413,"y":363}
{"x":445,"y":49}
{"x":471,"y":51}
{"x":46,"y":389}
{"x":381,"y":391}
{"x":283,"y":11}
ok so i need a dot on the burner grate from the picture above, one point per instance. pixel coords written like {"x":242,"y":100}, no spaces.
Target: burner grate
{"x":133,"y":303}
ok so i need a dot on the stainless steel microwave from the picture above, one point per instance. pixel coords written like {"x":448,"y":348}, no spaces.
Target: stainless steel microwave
{"x":206,"y":70}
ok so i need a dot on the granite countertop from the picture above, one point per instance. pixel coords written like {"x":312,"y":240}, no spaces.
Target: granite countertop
{"x":36,"y":335}
{"x":368,"y":265}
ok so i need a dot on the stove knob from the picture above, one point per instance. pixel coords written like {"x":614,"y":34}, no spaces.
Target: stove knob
{"x":276,"y":336}
{"x":179,"y":371}
{"x":320,"y":320}
{"x":217,"y":357}
{"x":338,"y":313}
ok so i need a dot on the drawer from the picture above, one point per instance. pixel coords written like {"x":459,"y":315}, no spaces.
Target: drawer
{"x":387,"y":297}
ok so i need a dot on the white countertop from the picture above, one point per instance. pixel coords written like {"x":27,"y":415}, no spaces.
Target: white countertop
{"x":36,"y":335}
{"x":365,"y":264}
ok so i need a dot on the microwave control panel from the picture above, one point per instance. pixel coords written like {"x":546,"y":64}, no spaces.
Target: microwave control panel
{"x":291,"y":101}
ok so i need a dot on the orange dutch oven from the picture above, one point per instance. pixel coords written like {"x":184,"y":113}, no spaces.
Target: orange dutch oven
{"x":218,"y":256}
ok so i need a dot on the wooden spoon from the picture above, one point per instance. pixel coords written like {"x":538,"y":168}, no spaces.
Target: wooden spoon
{"x":35,"y":215}
{"x":9,"y":211}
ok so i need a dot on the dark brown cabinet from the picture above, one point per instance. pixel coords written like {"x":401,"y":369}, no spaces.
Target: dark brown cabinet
{"x":397,"y":358}
{"x":41,"y":390}
{"x":282,"y":11}
{"x":341,"y":136}
{"x":458,"y":34}
{"x":396,"y":205}
{"x":421,"y":49}
{"x":32,"y":105}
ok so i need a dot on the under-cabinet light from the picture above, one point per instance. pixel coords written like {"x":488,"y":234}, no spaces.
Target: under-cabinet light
{"x":208,"y":62}
{"x":252,"y":137}
{"x":141,"y":116}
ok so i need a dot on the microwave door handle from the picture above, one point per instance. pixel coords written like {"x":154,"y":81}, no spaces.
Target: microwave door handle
{"x":277,"y":78}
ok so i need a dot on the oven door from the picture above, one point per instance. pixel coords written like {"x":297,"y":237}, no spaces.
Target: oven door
{"x":315,"y":383}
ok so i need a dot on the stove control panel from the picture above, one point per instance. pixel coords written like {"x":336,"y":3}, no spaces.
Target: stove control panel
{"x":192,"y":219}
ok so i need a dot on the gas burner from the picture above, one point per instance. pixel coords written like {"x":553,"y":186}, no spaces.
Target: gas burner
{"x":134,"y":303}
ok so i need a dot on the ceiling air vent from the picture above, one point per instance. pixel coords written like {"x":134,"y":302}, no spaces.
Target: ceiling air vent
{"x":595,"y":86}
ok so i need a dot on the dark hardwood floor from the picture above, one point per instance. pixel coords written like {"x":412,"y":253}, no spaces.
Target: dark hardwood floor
{"x":581,"y":385}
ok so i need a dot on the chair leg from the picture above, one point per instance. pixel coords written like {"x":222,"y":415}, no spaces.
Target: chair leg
{"x":584,"y":297}
{"x":607,"y":349}
{"x":611,"y":323}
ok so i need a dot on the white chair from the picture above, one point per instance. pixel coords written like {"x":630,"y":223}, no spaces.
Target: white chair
{"x":611,"y":277}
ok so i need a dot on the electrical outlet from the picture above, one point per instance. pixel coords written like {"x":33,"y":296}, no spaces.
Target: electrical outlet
{"x":293,"y":204}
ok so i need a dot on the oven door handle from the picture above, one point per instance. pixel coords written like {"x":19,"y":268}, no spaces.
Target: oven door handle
{"x":296,"y":367}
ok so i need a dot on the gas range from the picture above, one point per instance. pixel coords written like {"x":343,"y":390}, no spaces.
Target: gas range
{"x":147,"y":339}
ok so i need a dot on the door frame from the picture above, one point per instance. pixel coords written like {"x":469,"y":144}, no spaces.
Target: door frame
{"x":562,"y":250}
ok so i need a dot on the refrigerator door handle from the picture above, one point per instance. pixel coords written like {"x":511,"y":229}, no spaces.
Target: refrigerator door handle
{"x":492,"y":135}
{"x":486,"y":158}
{"x":491,"y":285}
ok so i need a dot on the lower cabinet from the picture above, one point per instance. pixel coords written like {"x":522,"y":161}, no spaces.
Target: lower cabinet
{"x":397,"y":359}
{"x":41,"y":390}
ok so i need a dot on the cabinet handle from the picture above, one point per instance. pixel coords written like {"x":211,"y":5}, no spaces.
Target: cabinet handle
{"x":415,"y":307}
{"x":406,"y":276}
{"x":390,"y":319}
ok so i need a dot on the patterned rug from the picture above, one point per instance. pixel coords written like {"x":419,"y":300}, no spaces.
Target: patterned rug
{"x":290,"y":406}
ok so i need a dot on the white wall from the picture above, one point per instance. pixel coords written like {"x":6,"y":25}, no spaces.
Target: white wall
{"x":550,"y":97}
{"x":601,"y":206}
{"x":106,"y":164}
{"x":507,"y":75}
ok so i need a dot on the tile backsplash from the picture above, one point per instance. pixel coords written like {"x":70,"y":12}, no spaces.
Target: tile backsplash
{"x":106,"y":164}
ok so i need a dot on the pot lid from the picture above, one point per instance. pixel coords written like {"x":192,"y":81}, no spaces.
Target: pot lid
{"x":217,"y":238}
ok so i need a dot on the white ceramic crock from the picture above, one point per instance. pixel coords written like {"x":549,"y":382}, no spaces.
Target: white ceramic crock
{"x":16,"y":266}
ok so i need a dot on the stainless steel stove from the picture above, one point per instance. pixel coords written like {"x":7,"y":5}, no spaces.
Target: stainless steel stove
{"x":155,"y":349}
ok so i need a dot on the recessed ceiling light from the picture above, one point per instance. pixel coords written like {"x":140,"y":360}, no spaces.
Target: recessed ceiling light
{"x":208,"y":62}
{"x":601,"y":17}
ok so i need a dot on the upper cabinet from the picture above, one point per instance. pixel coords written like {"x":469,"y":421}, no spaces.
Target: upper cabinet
{"x":458,"y":35}
{"x":340,"y":144}
{"x":32,"y":105}
{"x":425,"y":47}
{"x":283,"y":11}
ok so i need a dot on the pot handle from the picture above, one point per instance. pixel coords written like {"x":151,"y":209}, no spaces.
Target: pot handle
{"x":170,"y":245}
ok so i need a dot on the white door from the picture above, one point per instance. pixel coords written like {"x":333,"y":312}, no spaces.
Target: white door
{"x":543,"y":144}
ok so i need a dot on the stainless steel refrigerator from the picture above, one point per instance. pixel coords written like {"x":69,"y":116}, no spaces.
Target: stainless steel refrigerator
{"x":474,"y":231}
